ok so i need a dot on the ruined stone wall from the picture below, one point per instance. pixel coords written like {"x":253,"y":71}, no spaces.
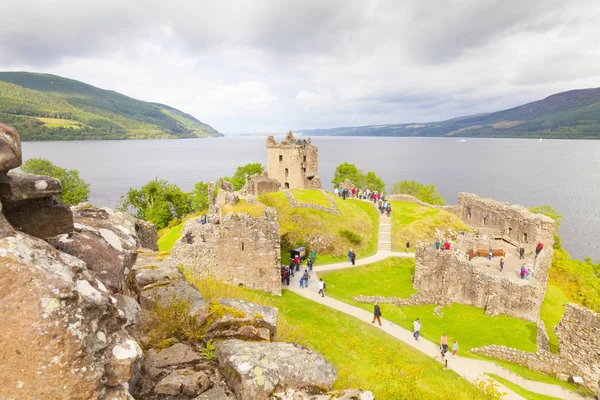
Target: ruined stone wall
{"x":407,"y":198}
{"x":239,"y":250}
{"x":579,"y":342}
{"x":443,"y":275}
{"x":257,"y":185}
{"x":514,"y":221}
{"x":292,"y":164}
{"x":295,"y":204}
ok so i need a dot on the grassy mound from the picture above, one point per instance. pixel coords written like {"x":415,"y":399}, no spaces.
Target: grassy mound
{"x":254,"y":210}
{"x":332,"y":236}
{"x":418,"y":223}
{"x":364,"y":356}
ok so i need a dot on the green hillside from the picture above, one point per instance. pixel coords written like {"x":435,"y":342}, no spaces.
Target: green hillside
{"x":48,"y":107}
{"x":569,"y":115}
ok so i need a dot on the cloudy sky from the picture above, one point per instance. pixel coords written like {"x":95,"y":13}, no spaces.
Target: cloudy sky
{"x":274,"y":65}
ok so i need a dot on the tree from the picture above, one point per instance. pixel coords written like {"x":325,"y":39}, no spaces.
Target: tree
{"x":238,"y":180}
{"x":347,"y":171}
{"x":157,"y":201}
{"x":427,"y":193}
{"x":373,"y":182}
{"x":74,"y":189}
{"x":199,"y":197}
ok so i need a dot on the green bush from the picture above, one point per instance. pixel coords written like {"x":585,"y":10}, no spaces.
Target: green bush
{"x":427,"y":193}
{"x":74,"y":189}
{"x":351,"y":236}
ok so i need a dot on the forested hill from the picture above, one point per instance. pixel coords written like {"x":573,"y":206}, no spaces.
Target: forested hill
{"x":567,"y":115}
{"x":48,"y":107}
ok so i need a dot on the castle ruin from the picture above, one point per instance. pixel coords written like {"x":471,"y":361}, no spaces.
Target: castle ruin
{"x":466,"y":275}
{"x":293,"y":162}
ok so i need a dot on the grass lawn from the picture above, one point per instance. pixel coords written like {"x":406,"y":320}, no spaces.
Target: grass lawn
{"x":305,"y":226}
{"x":363,"y":355}
{"x":59,"y":122}
{"x":168,"y":239}
{"x":526,"y":394}
{"x":418,"y":223}
{"x":310,"y":196}
{"x":552,"y":311}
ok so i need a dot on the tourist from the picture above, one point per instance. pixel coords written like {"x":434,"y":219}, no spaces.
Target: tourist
{"x":490,"y":254}
{"x":353,"y":191}
{"x":528,"y":273}
{"x":447,"y":245}
{"x":538,"y":248}
{"x":351,"y":256}
{"x":407,"y":245}
{"x":388,"y":209}
{"x":309,"y":263}
{"x":444,"y":344}
{"x":313,"y":255}
{"x":501,"y":264}
{"x":304,"y":279}
{"x":335,"y":191}
{"x":437,"y":244}
{"x":322,"y":288}
{"x":203,"y":219}
{"x":523,"y":271}
{"x":297,"y":262}
{"x":521,"y":253}
{"x":292,"y":266}
{"x":376,"y":314}
{"x":285,"y":275}
{"x":454,"y":349}
{"x":417,"y":329}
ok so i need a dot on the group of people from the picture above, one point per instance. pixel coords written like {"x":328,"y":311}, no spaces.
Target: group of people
{"x":385,"y":207}
{"x":526,"y":272}
{"x":444,"y":245}
{"x":354,"y":193}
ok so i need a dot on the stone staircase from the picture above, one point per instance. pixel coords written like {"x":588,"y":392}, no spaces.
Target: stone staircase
{"x":384,"y":242}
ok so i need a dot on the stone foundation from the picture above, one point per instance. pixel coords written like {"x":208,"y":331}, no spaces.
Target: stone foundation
{"x":295,"y":204}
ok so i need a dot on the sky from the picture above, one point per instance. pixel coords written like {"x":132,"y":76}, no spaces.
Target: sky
{"x":273,"y":65}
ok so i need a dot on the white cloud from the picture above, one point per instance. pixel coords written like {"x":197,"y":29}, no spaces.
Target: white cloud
{"x":268,"y":65}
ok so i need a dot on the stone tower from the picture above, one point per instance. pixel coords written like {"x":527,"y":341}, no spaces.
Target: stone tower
{"x":293,"y":162}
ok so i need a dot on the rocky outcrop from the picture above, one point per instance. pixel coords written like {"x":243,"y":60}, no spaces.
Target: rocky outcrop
{"x":256,"y":370}
{"x":147,"y":235}
{"x":10,"y":148}
{"x":40,"y":217}
{"x":62,"y":335}
{"x":252,"y":322}
{"x":106,"y":240}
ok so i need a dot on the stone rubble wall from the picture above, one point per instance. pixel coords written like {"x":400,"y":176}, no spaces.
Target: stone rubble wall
{"x":295,"y":204}
{"x":407,"y":198}
{"x":257,"y":185}
{"x":239,"y":250}
{"x":579,"y":342}
{"x":514,"y":221}
{"x":443,"y":275}
{"x":544,"y":362}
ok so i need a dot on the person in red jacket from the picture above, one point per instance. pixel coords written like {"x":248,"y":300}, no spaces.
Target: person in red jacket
{"x":539,"y":248}
{"x":447,"y":245}
{"x":353,"y":192}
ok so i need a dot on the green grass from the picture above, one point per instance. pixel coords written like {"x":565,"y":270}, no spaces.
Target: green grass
{"x":552,"y":311}
{"x":466,"y":324}
{"x":254,"y":210}
{"x":526,"y":394}
{"x":59,"y":122}
{"x":418,"y":223}
{"x":310,"y":196}
{"x":168,"y":239}
{"x":363,"y":355}
{"x":322,"y":231}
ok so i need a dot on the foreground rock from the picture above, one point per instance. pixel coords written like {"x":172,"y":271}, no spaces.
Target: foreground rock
{"x":257,"y":370}
{"x":349,"y":394}
{"x":61,"y":337}
{"x":254,"y":322}
{"x":10,"y":148}
{"x":41,"y":217}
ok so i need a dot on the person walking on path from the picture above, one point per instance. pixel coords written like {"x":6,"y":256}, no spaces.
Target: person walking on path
{"x":454,"y":349}
{"x":501,"y":264}
{"x":444,"y":345}
{"x":490,"y":254}
{"x":322,"y":288}
{"x":351,"y":256}
{"x":437,"y":245}
{"x":309,"y":264}
{"x":407,"y":245}
{"x":376,"y":314}
{"x":521,"y":253}
{"x":304,"y":279}
{"x":417,"y":329}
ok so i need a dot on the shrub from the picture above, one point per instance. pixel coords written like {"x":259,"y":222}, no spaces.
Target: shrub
{"x":172,"y":320}
{"x":74,"y":189}
{"x":352,"y":237}
{"x":209,"y":351}
{"x":427,"y":193}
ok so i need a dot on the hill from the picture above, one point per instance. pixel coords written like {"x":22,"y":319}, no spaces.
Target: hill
{"x":48,"y":107}
{"x":568,"y":115}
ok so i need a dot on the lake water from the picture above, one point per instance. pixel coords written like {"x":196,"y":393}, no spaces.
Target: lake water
{"x":561,"y":173}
